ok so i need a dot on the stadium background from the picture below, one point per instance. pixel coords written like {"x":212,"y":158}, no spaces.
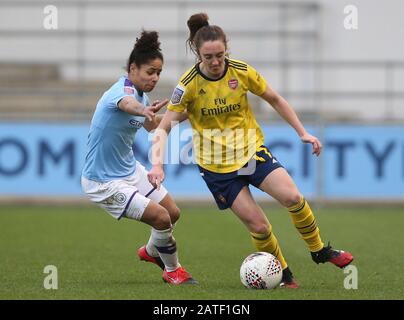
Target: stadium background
{"x":346,"y":85}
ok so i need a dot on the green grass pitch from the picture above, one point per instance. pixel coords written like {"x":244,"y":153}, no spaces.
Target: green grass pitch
{"x":96,"y":257}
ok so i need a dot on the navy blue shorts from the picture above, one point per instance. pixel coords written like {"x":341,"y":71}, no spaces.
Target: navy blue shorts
{"x":226,"y":186}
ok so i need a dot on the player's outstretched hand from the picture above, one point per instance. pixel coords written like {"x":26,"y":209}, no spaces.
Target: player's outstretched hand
{"x":157,"y":105}
{"x":317,"y":146}
{"x":156,"y":176}
{"x":148,"y":113}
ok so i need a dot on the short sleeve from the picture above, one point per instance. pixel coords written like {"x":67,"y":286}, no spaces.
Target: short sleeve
{"x":118,"y":93}
{"x":180,"y":99}
{"x":256,"y":83}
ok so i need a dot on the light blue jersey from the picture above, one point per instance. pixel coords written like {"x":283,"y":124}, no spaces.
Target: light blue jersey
{"x":112,"y":132}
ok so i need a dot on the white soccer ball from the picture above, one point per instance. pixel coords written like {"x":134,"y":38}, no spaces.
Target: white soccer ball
{"x":261,"y":270}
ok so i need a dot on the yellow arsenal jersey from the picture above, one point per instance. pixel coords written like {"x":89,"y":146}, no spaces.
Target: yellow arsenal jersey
{"x":225,"y":132}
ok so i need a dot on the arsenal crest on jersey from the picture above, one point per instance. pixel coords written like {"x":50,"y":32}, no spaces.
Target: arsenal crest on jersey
{"x":233,"y":83}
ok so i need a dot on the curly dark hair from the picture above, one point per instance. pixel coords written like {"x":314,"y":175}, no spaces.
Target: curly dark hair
{"x":146,"y":48}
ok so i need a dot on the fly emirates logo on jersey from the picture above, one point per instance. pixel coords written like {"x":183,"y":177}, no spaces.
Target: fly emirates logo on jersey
{"x":221,"y":106}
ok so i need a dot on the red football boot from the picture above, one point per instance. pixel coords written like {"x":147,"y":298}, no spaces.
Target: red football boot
{"x":178,"y":276}
{"x":328,"y":254}
{"x":144,"y":256}
{"x":287,"y":280}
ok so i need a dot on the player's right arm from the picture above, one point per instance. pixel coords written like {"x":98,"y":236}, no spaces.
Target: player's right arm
{"x":130,"y":105}
{"x":287,"y":112}
{"x":170,"y":119}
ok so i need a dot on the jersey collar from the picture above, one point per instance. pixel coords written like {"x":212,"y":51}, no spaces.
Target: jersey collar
{"x":226,"y":66}
{"x":129,"y":83}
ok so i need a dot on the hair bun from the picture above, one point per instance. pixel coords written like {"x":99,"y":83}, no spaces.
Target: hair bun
{"x":146,"y":48}
{"x":148,"y":41}
{"x":197,"y":21}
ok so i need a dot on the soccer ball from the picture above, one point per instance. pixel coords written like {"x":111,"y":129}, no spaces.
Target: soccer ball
{"x":261,"y":270}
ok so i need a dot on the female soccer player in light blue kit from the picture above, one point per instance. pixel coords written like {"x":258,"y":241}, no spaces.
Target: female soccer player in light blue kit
{"x":112,"y":178}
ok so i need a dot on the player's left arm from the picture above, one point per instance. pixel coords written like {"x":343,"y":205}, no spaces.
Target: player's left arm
{"x":284,"y":109}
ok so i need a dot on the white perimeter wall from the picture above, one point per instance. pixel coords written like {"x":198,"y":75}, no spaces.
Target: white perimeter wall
{"x":97,"y":56}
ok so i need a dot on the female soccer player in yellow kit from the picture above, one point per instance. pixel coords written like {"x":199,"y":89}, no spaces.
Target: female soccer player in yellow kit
{"x":228,"y":144}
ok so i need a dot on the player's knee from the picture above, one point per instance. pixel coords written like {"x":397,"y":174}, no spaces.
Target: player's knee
{"x":162,"y":219}
{"x":259,"y":228}
{"x":174,"y":213}
{"x":293,"y":198}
